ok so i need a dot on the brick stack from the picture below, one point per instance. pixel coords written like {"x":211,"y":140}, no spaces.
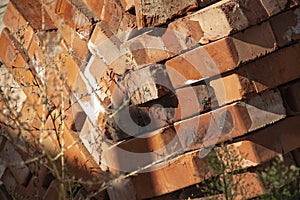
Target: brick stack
{"x":147,"y":87}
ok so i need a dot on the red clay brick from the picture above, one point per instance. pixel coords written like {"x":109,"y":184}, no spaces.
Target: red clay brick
{"x":147,"y":48}
{"x":274,"y":7}
{"x":101,"y":38}
{"x":283,"y":132}
{"x":157,"y":144}
{"x":222,"y":55}
{"x":155,"y":13}
{"x":230,"y":121}
{"x":20,"y":171}
{"x":122,"y":190}
{"x":20,"y":68}
{"x":52,"y":192}
{"x":256,"y":76}
{"x":112,"y":14}
{"x":127,"y":4}
{"x":163,"y":178}
{"x":32,"y":11}
{"x":74,"y":18}
{"x":290,"y":94}
{"x":282,"y":66}
{"x":221,"y":19}
{"x":17,"y":24}
{"x":146,"y":84}
{"x":9,"y":181}
{"x":76,"y":43}
{"x":286,"y":27}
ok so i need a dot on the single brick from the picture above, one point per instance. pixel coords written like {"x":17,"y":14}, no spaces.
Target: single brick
{"x":274,"y":7}
{"x":146,"y":84}
{"x":232,"y":87}
{"x":147,"y":48}
{"x":154,"y":13}
{"x":19,"y":170}
{"x":286,"y":27}
{"x":188,"y":168}
{"x":52,"y":192}
{"x":212,"y":22}
{"x":122,"y":190}
{"x":221,"y":19}
{"x":127,"y":4}
{"x":291,"y":94}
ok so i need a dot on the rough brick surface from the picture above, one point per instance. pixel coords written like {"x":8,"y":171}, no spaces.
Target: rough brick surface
{"x":156,"y":12}
{"x":17,"y":24}
{"x":255,"y":77}
{"x":286,"y":26}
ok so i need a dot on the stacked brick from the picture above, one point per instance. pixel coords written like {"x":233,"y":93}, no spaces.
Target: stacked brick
{"x":148,"y":88}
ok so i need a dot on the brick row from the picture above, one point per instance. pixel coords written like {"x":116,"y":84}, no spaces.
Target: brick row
{"x":255,"y":77}
{"x":74,"y":27}
{"x":226,"y":17}
{"x":230,"y":52}
{"x":201,"y":131}
{"x":193,"y":169}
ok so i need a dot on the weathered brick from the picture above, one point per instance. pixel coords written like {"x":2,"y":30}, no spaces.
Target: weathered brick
{"x":155,"y":13}
{"x":164,"y":177}
{"x":281,"y":64}
{"x":111,"y":13}
{"x":9,"y":181}
{"x":191,"y":101}
{"x":122,"y":190}
{"x":127,"y":4}
{"x":153,"y":146}
{"x":76,"y":42}
{"x":146,"y":84}
{"x":274,"y":7}
{"x":290,"y":94}
{"x":222,"y":55}
{"x":52,"y":192}
{"x":19,"y":170}
{"x":220,"y":20}
{"x":95,"y":142}
{"x":147,"y":48}
{"x":230,"y":121}
{"x":286,"y":27}
{"x":296,"y":156}
{"x":255,"y":77}
{"x":248,"y":184}
{"x":102,"y":38}
{"x":18,"y":64}
{"x":11,"y":90}
{"x":17,"y":24}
